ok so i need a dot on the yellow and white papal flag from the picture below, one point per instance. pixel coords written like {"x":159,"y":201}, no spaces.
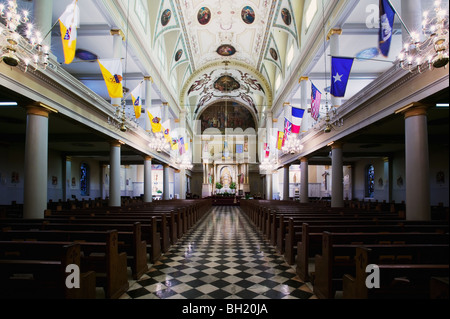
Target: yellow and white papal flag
{"x":69,"y":21}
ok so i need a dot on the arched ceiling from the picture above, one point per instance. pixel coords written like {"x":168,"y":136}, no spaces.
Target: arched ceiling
{"x":250,"y":34}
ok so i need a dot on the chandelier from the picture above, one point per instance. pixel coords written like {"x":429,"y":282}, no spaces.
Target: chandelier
{"x":186,"y":164}
{"x":432,"y":52}
{"x":292,"y":145}
{"x":20,"y":43}
{"x":158,"y":142}
{"x":268,"y":165}
{"x":331,"y":120}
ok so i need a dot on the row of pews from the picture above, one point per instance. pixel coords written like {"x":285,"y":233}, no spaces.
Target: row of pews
{"x":109,"y":245}
{"x":335,"y":249}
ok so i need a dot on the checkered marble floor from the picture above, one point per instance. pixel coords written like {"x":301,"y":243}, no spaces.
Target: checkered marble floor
{"x":223,"y":257}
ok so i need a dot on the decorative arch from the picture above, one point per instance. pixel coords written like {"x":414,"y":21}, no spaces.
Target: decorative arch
{"x":200,"y":76}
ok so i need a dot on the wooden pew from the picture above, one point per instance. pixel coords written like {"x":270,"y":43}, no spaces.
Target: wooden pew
{"x":110,"y":265}
{"x":312,"y":235}
{"x":129,"y":242}
{"x":37,"y":270}
{"x":397,"y":281}
{"x":338,"y":252}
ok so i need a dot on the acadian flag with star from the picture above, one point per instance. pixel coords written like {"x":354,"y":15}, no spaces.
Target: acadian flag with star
{"x":112,"y":74}
{"x":340,"y":72}
{"x":154,"y":114}
{"x":69,"y":21}
{"x":136,"y":97}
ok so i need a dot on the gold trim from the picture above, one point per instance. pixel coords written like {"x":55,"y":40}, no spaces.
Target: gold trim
{"x":333,"y":31}
{"x":336,"y":144}
{"x":147,"y":158}
{"x":176,"y":120}
{"x":303,"y":78}
{"x":116,"y":144}
{"x":148,"y":78}
{"x":118,"y":32}
{"x":286,"y":103}
{"x":274,"y":120}
{"x":304,"y":159}
{"x":68,"y":158}
{"x":416,"y":111}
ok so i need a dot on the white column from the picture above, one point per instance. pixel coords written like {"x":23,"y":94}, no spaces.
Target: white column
{"x":36,"y":163}
{"x":182,"y":184}
{"x":337,"y":178}
{"x":114,"y":178}
{"x":333,"y":36}
{"x":148,"y":101}
{"x":411,"y":12}
{"x":68,"y":179}
{"x":166,"y":191}
{"x":148,"y":179}
{"x":118,"y":38}
{"x":304,"y":198}
{"x":286,"y":182}
{"x":386,"y":179}
{"x":417,"y":164}
{"x":42,"y":18}
{"x":269,"y":189}
{"x":304,"y":101}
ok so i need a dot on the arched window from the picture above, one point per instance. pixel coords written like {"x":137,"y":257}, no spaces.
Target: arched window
{"x":370,"y":181}
{"x":84,"y":179}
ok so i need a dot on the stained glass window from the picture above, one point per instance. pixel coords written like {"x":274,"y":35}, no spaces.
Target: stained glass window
{"x":84,"y":179}
{"x":370,"y":181}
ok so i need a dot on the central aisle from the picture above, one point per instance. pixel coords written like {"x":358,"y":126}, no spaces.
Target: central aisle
{"x":223,"y":257}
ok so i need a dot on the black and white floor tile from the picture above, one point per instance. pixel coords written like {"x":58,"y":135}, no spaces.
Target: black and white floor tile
{"x":223,"y":257}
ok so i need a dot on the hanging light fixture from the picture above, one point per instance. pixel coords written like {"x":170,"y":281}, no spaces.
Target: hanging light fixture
{"x":158,"y":142}
{"x":18,"y":49}
{"x":432,"y":52}
{"x":292,"y":145}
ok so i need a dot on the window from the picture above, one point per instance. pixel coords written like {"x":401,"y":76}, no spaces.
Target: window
{"x":370,"y":181}
{"x":84,"y":179}
{"x":310,"y":12}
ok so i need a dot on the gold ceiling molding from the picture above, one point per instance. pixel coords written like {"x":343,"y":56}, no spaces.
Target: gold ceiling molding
{"x":333,"y":31}
{"x":118,"y":32}
{"x":232,"y":64}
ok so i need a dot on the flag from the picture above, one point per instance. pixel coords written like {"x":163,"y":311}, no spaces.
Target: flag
{"x":340,"y":72}
{"x":387,"y":15}
{"x":280,"y":140}
{"x":136,"y":97}
{"x":315,"y":102}
{"x":174,"y":143}
{"x":297,"y":116}
{"x":181,"y":146}
{"x":166,"y":130}
{"x":112,"y":74}
{"x":287,"y":127}
{"x":69,"y":21}
{"x":239,"y":148}
{"x":266,"y":148}
{"x":154,"y":114}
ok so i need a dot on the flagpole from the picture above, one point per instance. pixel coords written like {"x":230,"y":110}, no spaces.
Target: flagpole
{"x":350,"y":57}
{"x":399,"y":17}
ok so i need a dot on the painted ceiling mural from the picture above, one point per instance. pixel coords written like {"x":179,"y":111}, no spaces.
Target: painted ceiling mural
{"x":224,"y":115}
{"x":211,"y":31}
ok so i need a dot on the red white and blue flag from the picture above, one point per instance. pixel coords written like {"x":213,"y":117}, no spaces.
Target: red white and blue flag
{"x":297,"y":116}
{"x":287,"y":127}
{"x":315,"y":102}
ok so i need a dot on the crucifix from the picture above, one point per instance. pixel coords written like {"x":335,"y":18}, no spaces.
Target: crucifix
{"x":325,"y":179}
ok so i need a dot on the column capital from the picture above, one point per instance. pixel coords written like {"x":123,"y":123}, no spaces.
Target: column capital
{"x":385,"y":159}
{"x":166,"y":165}
{"x":333,"y":31}
{"x":147,"y":158}
{"x":68,"y":158}
{"x":303,"y":78}
{"x":414,"y":108}
{"x":303,"y":159}
{"x":148,"y":78}
{"x":41,"y":109}
{"x":116,"y":143}
{"x":336,"y":144}
{"x":286,"y":165}
{"x":118,"y":32}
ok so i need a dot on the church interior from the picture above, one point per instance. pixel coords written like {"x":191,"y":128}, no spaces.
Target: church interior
{"x":222,"y":128}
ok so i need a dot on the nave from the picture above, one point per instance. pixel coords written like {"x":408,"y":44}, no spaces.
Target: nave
{"x":223,"y":257}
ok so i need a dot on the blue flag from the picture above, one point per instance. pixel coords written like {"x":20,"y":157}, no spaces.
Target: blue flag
{"x":387,"y":14}
{"x":340,"y":72}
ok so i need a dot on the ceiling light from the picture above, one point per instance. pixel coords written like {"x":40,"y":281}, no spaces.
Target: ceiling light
{"x":8,"y":103}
